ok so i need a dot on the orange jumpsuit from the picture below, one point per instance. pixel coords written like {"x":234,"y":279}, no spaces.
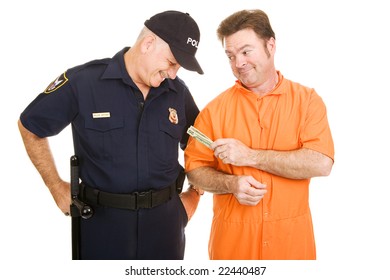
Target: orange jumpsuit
{"x":280,"y":226}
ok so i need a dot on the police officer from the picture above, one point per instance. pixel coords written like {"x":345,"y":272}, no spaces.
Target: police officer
{"x":129,"y":114}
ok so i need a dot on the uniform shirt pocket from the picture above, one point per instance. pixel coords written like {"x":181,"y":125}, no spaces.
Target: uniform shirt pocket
{"x":104,"y":124}
{"x":170,"y":135}
{"x":105,"y":136}
{"x":173,"y":130}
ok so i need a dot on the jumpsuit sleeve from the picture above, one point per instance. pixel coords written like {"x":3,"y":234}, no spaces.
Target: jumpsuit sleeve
{"x":316,"y":134}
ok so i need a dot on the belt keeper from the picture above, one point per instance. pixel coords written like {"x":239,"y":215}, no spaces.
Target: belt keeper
{"x":89,"y":195}
{"x":96,"y":195}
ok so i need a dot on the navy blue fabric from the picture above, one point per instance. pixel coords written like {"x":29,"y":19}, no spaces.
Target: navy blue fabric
{"x":133,"y":148}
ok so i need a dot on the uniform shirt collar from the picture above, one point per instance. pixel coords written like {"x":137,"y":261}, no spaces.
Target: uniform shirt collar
{"x":116,"y":68}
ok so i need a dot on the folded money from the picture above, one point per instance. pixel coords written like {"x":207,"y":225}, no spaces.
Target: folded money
{"x":199,"y":136}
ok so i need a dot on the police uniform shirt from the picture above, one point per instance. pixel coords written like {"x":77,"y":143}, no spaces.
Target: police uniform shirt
{"x":125,"y":144}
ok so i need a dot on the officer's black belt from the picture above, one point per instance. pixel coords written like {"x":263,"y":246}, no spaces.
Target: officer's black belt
{"x":131,"y":201}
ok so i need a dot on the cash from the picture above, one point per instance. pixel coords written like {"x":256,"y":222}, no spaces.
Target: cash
{"x":199,"y":136}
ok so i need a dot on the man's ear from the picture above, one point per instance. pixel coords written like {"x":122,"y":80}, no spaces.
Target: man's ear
{"x":147,"y":43}
{"x":271,"y":45}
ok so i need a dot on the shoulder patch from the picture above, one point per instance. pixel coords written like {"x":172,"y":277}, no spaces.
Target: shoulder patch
{"x":56,"y":84}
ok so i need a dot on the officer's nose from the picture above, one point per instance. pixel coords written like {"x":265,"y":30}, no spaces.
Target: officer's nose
{"x":172,"y":71}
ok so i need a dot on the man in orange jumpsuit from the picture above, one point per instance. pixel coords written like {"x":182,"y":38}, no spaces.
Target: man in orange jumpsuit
{"x":271,"y":136}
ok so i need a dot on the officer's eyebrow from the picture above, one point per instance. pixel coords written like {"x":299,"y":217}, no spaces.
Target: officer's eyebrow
{"x":172,"y":63}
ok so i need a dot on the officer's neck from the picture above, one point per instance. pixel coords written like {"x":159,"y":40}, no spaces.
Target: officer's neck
{"x":131,"y":64}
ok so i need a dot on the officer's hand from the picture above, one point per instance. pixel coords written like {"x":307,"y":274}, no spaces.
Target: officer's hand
{"x":190,"y":199}
{"x":248,"y":191}
{"x":61,"y":194}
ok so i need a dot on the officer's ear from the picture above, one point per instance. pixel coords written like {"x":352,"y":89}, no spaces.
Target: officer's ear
{"x":148,"y":43}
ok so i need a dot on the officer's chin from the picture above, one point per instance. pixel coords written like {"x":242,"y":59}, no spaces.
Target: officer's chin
{"x":156,"y":83}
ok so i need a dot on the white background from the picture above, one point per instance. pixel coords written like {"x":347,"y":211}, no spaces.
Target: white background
{"x":341,"y":48}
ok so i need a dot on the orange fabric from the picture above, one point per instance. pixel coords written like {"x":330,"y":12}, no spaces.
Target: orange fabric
{"x":280,"y":226}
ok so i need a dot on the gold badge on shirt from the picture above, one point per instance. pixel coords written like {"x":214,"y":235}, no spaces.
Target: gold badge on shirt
{"x":173,"y":118}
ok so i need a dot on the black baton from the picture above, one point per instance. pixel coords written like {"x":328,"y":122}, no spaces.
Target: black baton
{"x":77,"y":208}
